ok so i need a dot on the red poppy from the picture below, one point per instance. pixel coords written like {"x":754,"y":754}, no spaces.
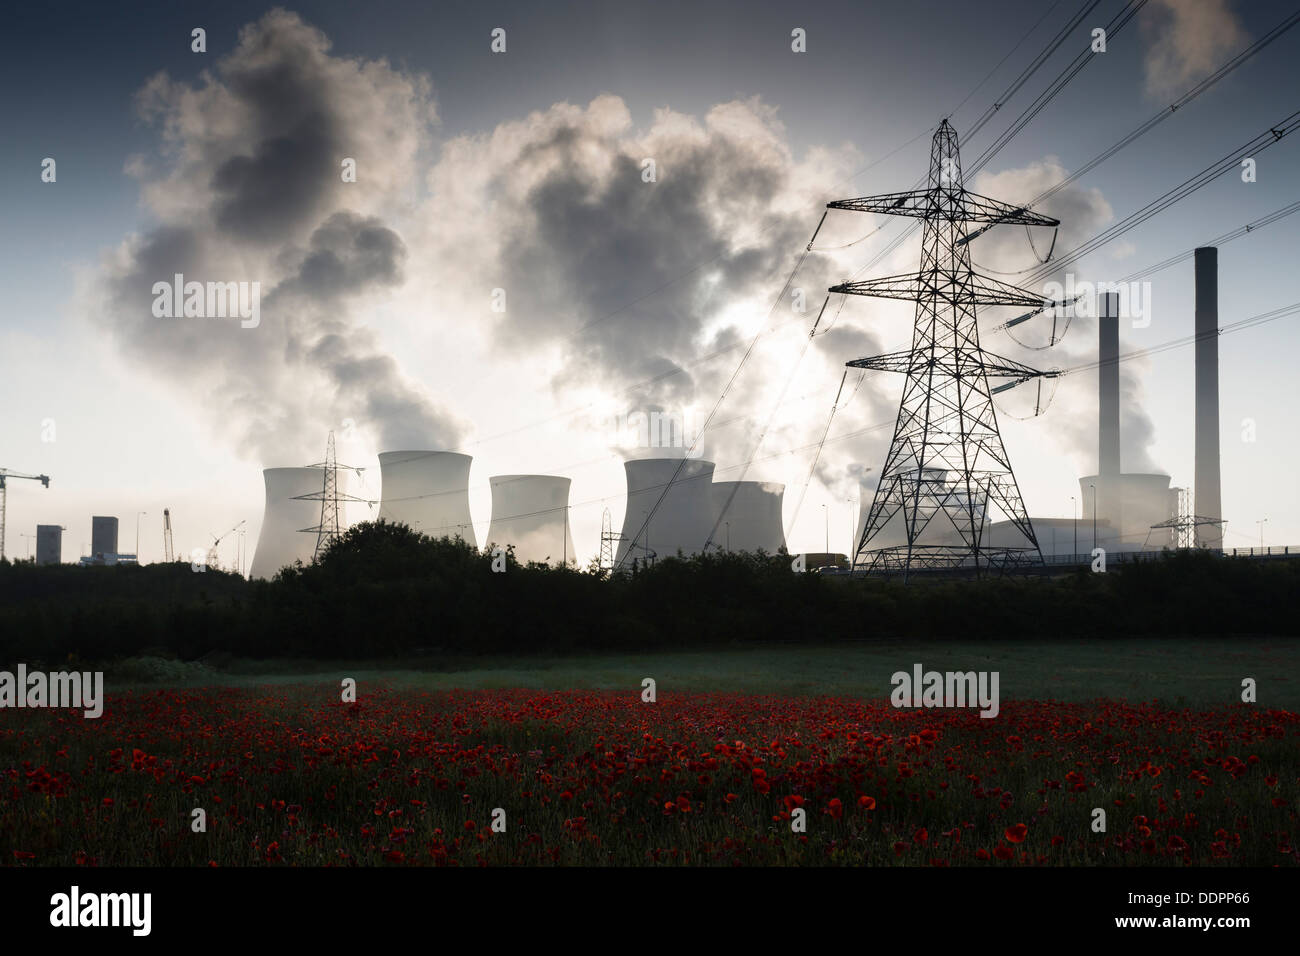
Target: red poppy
{"x":1016,"y":833}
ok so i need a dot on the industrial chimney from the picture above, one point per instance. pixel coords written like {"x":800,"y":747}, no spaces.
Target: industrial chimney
{"x":1108,"y":458}
{"x":1206,"y":493}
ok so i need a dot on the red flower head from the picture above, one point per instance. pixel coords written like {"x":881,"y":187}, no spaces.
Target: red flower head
{"x":1016,"y":833}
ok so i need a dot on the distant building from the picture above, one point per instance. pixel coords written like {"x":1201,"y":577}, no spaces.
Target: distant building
{"x":103,"y":535}
{"x":110,"y":558}
{"x":49,"y":544}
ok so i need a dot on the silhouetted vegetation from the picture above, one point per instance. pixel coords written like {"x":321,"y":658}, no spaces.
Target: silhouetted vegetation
{"x":383,"y":590}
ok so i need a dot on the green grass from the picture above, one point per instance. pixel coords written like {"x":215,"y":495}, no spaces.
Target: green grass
{"x":1192,"y":672}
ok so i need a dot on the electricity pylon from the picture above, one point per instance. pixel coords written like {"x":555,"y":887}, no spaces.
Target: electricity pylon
{"x":947,"y":470}
{"x":328,"y":528}
{"x":1186,"y":522}
{"x":607,"y":539}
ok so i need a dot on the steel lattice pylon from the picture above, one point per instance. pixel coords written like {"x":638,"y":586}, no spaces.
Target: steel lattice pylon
{"x":947,"y":470}
{"x":329,"y":527}
{"x":606,"y":542}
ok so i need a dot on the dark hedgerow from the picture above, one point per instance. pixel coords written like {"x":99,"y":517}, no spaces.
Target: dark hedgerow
{"x":385,"y":590}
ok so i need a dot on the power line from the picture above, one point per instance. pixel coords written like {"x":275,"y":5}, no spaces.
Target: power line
{"x":1151,"y":123}
{"x":1247,"y":323}
{"x":1158,"y":118}
{"x":1040,"y":103}
{"x":1007,"y":94}
{"x":1231,"y":161}
{"x":1017,"y":125}
{"x":1227,"y":237}
{"x":1032,"y":68}
{"x":1250,"y":227}
{"x":1010,"y":52}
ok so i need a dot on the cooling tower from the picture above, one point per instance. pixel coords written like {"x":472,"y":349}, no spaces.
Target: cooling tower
{"x":429,"y":491}
{"x":685,"y":518}
{"x":866,"y":495}
{"x":531,"y":512}
{"x":1143,"y":500}
{"x":281,"y":540}
{"x":1206,"y":493}
{"x":752,"y":521}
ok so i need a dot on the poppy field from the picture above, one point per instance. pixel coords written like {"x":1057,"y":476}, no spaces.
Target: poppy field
{"x":292,"y":776}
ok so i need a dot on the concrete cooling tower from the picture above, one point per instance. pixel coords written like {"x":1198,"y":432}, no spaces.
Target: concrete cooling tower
{"x":429,"y":491}
{"x":531,"y":512}
{"x":683,"y":521}
{"x":753,"y":520}
{"x":281,"y":540}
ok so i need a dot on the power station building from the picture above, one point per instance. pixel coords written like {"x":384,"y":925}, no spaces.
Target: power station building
{"x":428,"y":491}
{"x":531,"y":513}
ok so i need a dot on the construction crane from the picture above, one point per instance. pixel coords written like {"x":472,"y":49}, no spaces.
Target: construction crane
{"x":216,"y":540}
{"x":169,"y":554}
{"x":5,"y":474}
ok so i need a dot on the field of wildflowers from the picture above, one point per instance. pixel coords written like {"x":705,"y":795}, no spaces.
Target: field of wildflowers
{"x":293,"y":776}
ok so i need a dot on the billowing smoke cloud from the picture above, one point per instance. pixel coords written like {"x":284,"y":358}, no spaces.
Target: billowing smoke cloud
{"x":629,"y":254}
{"x":248,"y":187}
{"x":1188,"y":39}
{"x":1083,"y":213}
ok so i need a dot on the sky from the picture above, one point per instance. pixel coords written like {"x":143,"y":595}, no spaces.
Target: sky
{"x":519,"y":178}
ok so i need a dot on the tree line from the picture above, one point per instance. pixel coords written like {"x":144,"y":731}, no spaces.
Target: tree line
{"x":383,"y":590}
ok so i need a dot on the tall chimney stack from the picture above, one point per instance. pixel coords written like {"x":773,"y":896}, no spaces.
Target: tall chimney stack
{"x":1108,"y":384}
{"x":1108,"y":461}
{"x":1206,"y":494}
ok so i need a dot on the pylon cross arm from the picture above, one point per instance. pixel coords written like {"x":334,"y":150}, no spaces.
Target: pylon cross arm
{"x":965,"y":288}
{"x":957,"y":205}
{"x":977,"y":208}
{"x":966,"y":363}
{"x":917,"y":203}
